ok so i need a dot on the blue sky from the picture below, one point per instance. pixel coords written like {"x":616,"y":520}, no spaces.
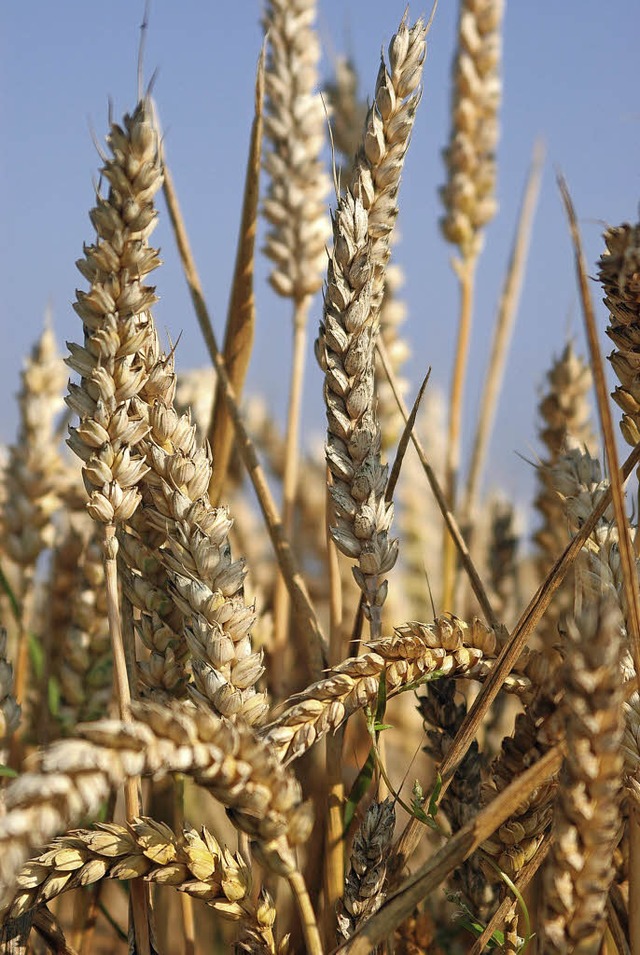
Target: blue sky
{"x":571,"y":75}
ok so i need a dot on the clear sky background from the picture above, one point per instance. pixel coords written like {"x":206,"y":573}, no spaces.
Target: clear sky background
{"x":571,"y":75}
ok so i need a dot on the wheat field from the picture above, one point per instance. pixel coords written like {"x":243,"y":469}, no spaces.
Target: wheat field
{"x":262,"y":697}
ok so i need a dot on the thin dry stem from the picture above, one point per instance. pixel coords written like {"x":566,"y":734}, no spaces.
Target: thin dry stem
{"x":281,"y":600}
{"x":238,"y":338}
{"x":505,"y":319}
{"x":450,"y":521}
{"x":465,"y":271}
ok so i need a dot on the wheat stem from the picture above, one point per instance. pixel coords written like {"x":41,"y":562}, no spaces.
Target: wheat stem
{"x":306,"y":913}
{"x":139,"y":892}
{"x":465,"y":271}
{"x":505,"y":318}
{"x":281,"y":602}
{"x":449,"y":519}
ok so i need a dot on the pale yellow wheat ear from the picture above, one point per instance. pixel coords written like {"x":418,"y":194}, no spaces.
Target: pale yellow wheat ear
{"x":579,"y":869}
{"x":414,"y":654}
{"x":113,"y":365}
{"x":468,"y":196}
{"x":295,"y":208}
{"x":243,"y":773}
{"x":345,"y":350}
{"x":195,"y":864}
{"x":33,"y":486}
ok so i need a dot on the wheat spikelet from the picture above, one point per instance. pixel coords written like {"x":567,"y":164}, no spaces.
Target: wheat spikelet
{"x":579,"y":870}
{"x":364,"y":888}
{"x":620,"y":278}
{"x":448,"y":647}
{"x":195,"y":864}
{"x":294,"y":127}
{"x":469,"y":194}
{"x":75,"y":776}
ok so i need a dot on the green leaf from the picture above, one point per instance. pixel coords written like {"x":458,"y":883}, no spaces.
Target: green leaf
{"x":359,"y":789}
{"x":13,"y":600}
{"x":36,"y":653}
{"x":379,"y":727}
{"x":53,"y":696}
{"x":381,"y":704}
{"x":7,"y":771}
{"x":435,"y":796}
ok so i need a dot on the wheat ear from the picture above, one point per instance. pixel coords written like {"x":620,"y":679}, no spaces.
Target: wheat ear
{"x":74,"y":777}
{"x":195,"y":864}
{"x":364,"y":887}
{"x":620,"y":278}
{"x":469,"y":198}
{"x":295,"y":208}
{"x":579,"y":869}
{"x":118,"y":331}
{"x":32,"y":487}
{"x":345,"y":352}
{"x":417,"y":652}
{"x":565,"y":423}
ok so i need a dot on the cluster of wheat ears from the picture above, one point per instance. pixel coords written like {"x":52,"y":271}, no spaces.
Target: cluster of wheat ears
{"x":365,"y":772}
